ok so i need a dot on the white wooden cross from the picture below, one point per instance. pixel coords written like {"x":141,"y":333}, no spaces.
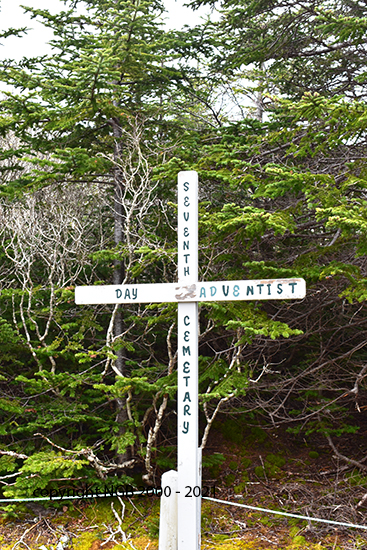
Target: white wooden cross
{"x":187,"y":292}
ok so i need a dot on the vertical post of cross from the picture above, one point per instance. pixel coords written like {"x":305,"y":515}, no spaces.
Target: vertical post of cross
{"x":188,"y":460}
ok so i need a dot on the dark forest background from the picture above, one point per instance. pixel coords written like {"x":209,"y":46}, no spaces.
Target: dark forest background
{"x":268,"y":104}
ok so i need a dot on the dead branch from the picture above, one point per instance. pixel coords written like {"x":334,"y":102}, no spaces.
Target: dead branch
{"x":15,"y":455}
{"x":351,"y":461}
{"x":101,"y":469}
{"x":119,"y":530}
{"x":21,"y":540}
{"x":362,"y":501}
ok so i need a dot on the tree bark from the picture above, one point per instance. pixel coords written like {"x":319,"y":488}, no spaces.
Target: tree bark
{"x":119,"y":271}
{"x":119,"y":274}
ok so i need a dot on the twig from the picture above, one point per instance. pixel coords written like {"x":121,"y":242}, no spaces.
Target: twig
{"x":362,"y":501}
{"x":356,"y":463}
{"x":119,"y":529}
{"x":21,"y":541}
{"x":94,"y":461}
{"x":15,"y":455}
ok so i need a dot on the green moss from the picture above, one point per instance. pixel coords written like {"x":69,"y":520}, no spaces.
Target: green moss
{"x":220,"y":537}
{"x":99,"y":512}
{"x":84,"y":541}
{"x":258,"y":435}
{"x":232,"y":431}
{"x":233,"y":465}
{"x":215,"y":472}
{"x":299,"y":541}
{"x":293,"y":532}
{"x":229,"y":480}
{"x":3,"y":546}
{"x":245,"y":476}
{"x":153,"y":527}
{"x":240,"y":488}
{"x":313,"y":454}
{"x":259,"y":472}
{"x":141,"y":543}
{"x":360,"y":543}
{"x":246,"y":463}
{"x":269,"y":469}
{"x":232,"y":544}
{"x":276,"y":460}
{"x":272,"y":470}
{"x":355,"y":478}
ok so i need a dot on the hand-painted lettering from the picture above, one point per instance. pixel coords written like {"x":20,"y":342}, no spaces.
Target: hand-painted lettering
{"x":187,"y":410}
{"x":186,"y":271}
{"x":250,"y":290}
{"x":186,"y":349}
{"x":186,"y":367}
{"x":186,"y":186}
{"x":186,"y":201}
{"x":186,"y":232}
{"x":118,"y":293}
{"x":187,"y":397}
{"x":292,"y":285}
{"x":213,"y":291}
{"x":260,"y":287}
{"x":135,"y":293}
{"x":186,"y":245}
{"x":187,"y":256}
{"x":202,"y":292}
{"x":187,"y":378}
{"x":280,"y":289}
{"x":186,"y":320}
{"x":186,"y":216}
{"x":185,"y":427}
{"x":224,"y":290}
{"x":269,"y":289}
{"x":236,"y":290}
{"x":187,"y":335}
{"x":127,"y":294}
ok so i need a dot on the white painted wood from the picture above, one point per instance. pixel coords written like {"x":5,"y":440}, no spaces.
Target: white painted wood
{"x":187,"y":430}
{"x":125,"y":294}
{"x":199,"y":482}
{"x":214,"y":291}
{"x":187,"y":227}
{"x":189,"y":505}
{"x":168,"y":512}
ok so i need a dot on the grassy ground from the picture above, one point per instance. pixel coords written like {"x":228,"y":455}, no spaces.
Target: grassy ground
{"x":250,"y":466}
{"x":89,"y":526}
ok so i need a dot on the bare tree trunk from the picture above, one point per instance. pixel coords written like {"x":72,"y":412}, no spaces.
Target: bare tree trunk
{"x":259,"y":100}
{"x":259,"y":106}
{"x":119,"y":274}
{"x":119,"y":270}
{"x":132,"y":201}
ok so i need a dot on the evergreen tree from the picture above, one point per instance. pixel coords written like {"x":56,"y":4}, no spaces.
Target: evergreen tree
{"x":94,"y":113}
{"x":99,"y":114}
{"x":114,"y":109}
{"x":294,"y":46}
{"x":295,"y":189}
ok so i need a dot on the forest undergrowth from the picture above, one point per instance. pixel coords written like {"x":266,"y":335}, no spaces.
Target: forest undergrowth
{"x":270,"y":469}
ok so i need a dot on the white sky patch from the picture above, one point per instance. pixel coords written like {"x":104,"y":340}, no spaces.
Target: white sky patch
{"x":35,"y":42}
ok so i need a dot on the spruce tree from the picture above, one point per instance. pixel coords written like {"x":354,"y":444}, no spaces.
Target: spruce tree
{"x":95,"y":112}
{"x":294,"y":47}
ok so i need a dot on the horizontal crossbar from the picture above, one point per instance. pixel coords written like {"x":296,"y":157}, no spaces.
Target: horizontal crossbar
{"x":212,"y":291}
